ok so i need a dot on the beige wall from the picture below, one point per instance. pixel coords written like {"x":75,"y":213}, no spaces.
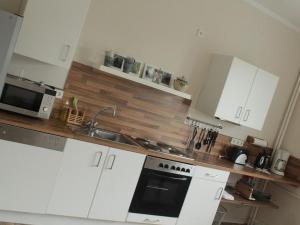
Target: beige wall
{"x":288,"y":201}
{"x":291,"y":139}
{"x":12,"y":6}
{"x":162,"y":33}
{"x":288,"y":198}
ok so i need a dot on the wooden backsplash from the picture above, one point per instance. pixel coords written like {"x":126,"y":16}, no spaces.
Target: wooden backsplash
{"x":141,"y":111}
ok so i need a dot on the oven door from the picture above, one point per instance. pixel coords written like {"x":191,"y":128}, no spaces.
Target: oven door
{"x":18,"y":99}
{"x":159,"y":193}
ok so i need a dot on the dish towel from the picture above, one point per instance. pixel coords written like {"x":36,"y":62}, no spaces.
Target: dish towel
{"x":227,"y":196}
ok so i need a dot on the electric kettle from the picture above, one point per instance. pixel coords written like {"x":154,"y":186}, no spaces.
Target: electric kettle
{"x":279,"y":163}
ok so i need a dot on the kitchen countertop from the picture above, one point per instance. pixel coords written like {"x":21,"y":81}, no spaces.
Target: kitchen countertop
{"x":59,"y":128}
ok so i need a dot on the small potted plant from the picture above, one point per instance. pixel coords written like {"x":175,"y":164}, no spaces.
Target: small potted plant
{"x":181,"y":84}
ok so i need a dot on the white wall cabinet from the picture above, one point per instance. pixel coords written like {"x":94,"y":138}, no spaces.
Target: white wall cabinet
{"x":203,"y":197}
{"x":78,"y":178}
{"x":238,"y":92}
{"x":259,"y":100}
{"x":117,"y":185}
{"x":51,"y":30}
{"x":27,"y":176}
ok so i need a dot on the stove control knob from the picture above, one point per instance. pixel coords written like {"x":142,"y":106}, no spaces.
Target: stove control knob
{"x":166,"y":166}
{"x":161,"y":165}
{"x":178,"y":168}
{"x":183,"y":170}
{"x":188,"y":170}
{"x":172,"y":167}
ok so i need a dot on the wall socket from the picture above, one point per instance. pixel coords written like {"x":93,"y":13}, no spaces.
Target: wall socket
{"x":59,"y":93}
{"x":199,"y":33}
{"x":237,"y":142}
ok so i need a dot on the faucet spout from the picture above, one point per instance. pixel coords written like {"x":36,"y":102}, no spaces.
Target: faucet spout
{"x":92,"y":123}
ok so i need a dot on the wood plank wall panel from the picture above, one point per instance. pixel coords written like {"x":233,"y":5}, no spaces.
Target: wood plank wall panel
{"x":142,"y":111}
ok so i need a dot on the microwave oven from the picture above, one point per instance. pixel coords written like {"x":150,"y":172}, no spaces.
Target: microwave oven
{"x":27,"y":97}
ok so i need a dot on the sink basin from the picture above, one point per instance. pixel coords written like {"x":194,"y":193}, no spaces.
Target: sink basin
{"x":111,"y":136}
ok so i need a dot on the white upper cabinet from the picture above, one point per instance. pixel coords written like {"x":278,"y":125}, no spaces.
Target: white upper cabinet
{"x":78,"y":178}
{"x":117,"y":185}
{"x":51,"y":30}
{"x":259,"y":100}
{"x":234,"y":96}
{"x":238,"y":92}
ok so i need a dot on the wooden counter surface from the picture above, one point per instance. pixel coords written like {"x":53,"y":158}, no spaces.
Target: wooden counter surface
{"x":59,"y":128}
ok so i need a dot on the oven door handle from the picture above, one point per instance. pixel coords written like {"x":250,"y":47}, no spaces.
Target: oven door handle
{"x":157,"y":188}
{"x":169,"y":177}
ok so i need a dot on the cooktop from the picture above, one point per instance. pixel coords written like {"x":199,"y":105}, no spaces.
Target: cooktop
{"x":155,"y":146}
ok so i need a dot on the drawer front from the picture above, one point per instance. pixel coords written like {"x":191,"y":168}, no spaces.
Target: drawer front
{"x":211,"y":174}
{"x":150,"y":219}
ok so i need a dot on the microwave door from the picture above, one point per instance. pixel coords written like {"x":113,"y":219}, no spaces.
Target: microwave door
{"x":21,"y":98}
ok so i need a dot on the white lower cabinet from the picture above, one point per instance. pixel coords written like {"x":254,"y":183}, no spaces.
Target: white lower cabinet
{"x":117,"y":185}
{"x":95,"y":182}
{"x":203,"y":197}
{"x":77,"y":179}
{"x":27,"y":176}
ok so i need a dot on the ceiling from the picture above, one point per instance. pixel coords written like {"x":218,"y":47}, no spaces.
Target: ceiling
{"x":286,"y":11}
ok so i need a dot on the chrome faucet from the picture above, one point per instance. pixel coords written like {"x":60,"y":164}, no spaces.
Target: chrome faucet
{"x":93,"y":123}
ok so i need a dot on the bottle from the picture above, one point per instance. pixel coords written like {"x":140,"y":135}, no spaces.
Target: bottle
{"x":64,"y":111}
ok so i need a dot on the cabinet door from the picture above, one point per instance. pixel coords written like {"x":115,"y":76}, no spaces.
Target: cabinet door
{"x":260,"y":99}
{"x":78,"y":178}
{"x":51,"y":30}
{"x":236,"y":91}
{"x":27,"y":176}
{"x":117,"y":185}
{"x":201,"y":202}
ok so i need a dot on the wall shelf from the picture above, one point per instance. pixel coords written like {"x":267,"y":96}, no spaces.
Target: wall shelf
{"x":144,"y":82}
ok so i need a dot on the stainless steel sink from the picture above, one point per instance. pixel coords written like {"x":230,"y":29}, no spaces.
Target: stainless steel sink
{"x":109,"y":135}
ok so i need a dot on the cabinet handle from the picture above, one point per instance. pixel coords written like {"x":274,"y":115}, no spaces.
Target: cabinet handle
{"x":151,"y":221}
{"x":247,"y":114}
{"x":97,"y":159}
{"x":219,"y":193}
{"x":211,"y":175}
{"x":65,"y":53}
{"x":238,"y":112}
{"x":110,"y":162}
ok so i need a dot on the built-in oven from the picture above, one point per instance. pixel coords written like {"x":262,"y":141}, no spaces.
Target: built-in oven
{"x":162,"y":187}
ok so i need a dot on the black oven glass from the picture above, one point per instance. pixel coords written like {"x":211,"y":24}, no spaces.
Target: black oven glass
{"x":21,"y":98}
{"x":159,"y":193}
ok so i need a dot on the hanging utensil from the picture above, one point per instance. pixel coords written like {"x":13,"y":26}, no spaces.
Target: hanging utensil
{"x":210,"y":140}
{"x":206,"y":140}
{"x":213,"y":140}
{"x":192,"y":142}
{"x":201,"y":137}
{"x":188,"y":139}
